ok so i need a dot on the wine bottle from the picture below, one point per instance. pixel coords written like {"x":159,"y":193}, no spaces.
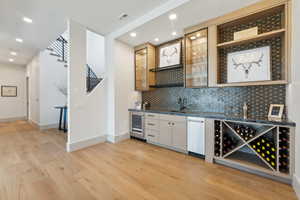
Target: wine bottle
{"x":273,"y":156}
{"x":273,"y":164}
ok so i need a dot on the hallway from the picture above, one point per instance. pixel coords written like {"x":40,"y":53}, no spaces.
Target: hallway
{"x":35,"y":166}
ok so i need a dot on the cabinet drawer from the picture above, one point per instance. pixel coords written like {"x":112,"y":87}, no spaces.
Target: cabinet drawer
{"x":152,"y":136}
{"x":152,"y":124}
{"x":173,"y":118}
{"x":152,"y":116}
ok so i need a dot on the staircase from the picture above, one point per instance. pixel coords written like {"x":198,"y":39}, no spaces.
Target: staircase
{"x":60,"y":48}
{"x":91,"y":79}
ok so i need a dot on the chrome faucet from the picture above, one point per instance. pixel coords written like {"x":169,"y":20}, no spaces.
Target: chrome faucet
{"x":182,"y":102}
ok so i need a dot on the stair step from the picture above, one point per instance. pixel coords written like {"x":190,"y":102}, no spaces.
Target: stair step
{"x":54,"y":54}
{"x":60,"y":60}
{"x":50,"y":49}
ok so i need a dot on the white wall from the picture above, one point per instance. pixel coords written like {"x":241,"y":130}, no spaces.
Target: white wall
{"x":124,"y":85}
{"x":34,"y":90}
{"x":45,"y":74}
{"x":87,"y":112}
{"x":13,"y":107}
{"x":95,"y":53}
{"x":120,"y":93}
{"x":294,"y":88}
{"x":53,"y":74}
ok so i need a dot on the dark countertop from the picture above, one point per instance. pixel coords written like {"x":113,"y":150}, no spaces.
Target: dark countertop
{"x":220,"y":116}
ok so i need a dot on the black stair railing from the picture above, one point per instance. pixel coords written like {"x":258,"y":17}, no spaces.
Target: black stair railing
{"x":91,"y":79}
{"x":60,"y":48}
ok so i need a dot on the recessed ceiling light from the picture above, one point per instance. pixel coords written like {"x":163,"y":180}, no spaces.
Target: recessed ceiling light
{"x":193,"y":37}
{"x":27,"y":20}
{"x":156,"y":39}
{"x":174,"y":33}
{"x":198,"y":34}
{"x":172,"y":16}
{"x":11,"y":60}
{"x":133,"y":34}
{"x":13,"y":53}
{"x":19,"y":40}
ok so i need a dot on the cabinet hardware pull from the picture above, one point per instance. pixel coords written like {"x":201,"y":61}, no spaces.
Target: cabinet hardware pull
{"x":151,"y":135}
{"x":150,"y":124}
{"x":150,"y":115}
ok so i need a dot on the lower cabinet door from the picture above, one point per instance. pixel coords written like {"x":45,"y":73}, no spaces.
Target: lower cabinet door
{"x":152,"y":136}
{"x":179,"y":136}
{"x":165,"y":135}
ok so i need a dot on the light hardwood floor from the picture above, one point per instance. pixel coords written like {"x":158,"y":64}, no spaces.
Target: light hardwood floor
{"x":35,"y":166}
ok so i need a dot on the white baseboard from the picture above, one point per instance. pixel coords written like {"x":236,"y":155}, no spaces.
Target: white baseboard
{"x":296,"y":185}
{"x":13,"y":119}
{"x":110,"y":138}
{"x":122,"y":137}
{"x":118,"y":138}
{"x":85,"y":143}
{"x":49,"y":126}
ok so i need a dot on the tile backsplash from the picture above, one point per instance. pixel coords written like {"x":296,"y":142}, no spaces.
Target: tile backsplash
{"x":228,"y":100}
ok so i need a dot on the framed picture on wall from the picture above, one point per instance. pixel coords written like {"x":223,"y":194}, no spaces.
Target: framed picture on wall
{"x":170,"y":55}
{"x":249,"y":65}
{"x":9,"y":91}
{"x":276,"y":111}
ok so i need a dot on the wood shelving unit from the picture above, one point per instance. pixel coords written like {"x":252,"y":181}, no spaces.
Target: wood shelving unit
{"x":272,"y":31}
{"x":144,"y":59}
{"x":167,"y":85}
{"x":244,"y":154}
{"x":157,"y":69}
{"x":262,"y":36}
{"x":196,"y":59}
{"x":273,"y":22}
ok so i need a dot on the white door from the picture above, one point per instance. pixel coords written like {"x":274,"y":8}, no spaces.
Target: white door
{"x":196,"y":135}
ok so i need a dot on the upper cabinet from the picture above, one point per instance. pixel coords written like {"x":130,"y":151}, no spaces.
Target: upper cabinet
{"x":252,"y":50}
{"x":250,"y":46}
{"x":144,"y":62}
{"x":196,"y":59}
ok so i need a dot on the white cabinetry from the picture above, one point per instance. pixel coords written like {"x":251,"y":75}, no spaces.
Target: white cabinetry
{"x":173,"y":132}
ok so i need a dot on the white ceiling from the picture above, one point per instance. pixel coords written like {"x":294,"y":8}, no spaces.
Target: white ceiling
{"x":189,"y":14}
{"x":49,"y":20}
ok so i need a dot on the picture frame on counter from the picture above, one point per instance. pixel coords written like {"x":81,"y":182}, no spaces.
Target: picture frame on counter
{"x":9,"y":91}
{"x":170,"y":55}
{"x":276,"y":111}
{"x":249,"y":65}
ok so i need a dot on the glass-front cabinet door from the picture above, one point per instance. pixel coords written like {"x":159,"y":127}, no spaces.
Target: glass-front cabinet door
{"x":141,"y":70}
{"x":196,"y":59}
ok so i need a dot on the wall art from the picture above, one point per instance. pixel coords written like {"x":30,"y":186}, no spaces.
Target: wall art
{"x":249,"y":65}
{"x":170,"y":55}
{"x":9,"y":91}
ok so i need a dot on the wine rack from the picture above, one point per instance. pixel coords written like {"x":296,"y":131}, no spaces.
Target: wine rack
{"x":284,"y":153}
{"x":217,"y":138}
{"x":266,"y":149}
{"x":259,"y":147}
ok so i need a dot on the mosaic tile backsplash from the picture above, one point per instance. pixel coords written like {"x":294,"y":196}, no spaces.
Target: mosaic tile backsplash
{"x":220,"y":100}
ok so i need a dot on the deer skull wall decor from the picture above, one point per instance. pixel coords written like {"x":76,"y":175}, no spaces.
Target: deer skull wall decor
{"x":170,"y":55}
{"x":248,"y":65}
